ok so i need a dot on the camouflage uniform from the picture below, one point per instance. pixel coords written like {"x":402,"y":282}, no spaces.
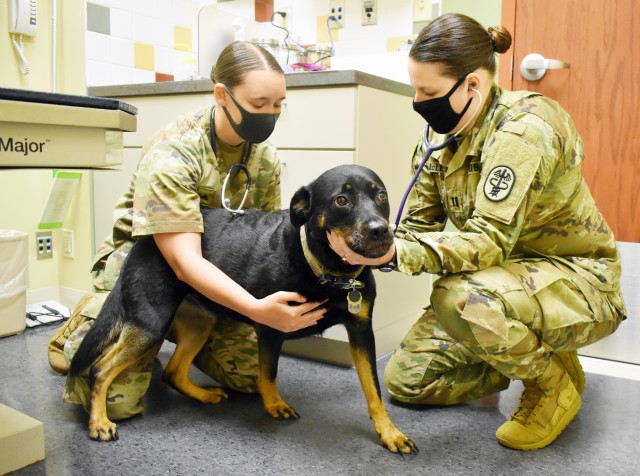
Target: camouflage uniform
{"x":178,"y":173}
{"x":533,"y":268}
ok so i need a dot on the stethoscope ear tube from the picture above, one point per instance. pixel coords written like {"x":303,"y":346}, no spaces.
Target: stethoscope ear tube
{"x":430,"y":149}
{"x":225,"y":201}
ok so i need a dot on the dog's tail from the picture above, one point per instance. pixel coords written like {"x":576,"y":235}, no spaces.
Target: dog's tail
{"x":105,"y":331}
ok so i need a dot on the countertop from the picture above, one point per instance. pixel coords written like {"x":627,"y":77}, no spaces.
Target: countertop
{"x":315,"y":79}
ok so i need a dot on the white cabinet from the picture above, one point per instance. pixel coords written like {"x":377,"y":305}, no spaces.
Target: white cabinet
{"x":320,"y":127}
{"x":299,"y":167}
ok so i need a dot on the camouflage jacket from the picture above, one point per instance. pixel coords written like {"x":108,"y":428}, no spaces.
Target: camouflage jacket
{"x":514,"y":189}
{"x":177,"y":174}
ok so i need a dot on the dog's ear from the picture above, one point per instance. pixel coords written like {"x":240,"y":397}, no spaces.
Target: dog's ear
{"x":300,"y":208}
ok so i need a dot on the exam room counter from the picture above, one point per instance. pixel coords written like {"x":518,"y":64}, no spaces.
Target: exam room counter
{"x":330,"y":118}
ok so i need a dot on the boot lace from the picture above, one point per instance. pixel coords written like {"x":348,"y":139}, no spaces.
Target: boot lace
{"x":528,"y":400}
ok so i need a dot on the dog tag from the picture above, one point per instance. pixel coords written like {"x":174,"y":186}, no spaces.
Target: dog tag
{"x":354,"y":301}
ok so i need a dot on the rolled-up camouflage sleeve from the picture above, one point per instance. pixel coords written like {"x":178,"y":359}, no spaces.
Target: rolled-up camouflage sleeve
{"x":166,"y":195}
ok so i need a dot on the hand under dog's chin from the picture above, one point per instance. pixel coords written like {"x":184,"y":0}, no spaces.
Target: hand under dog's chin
{"x":371,"y":251}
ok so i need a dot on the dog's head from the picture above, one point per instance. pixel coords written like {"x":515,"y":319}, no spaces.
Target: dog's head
{"x":352,"y":201}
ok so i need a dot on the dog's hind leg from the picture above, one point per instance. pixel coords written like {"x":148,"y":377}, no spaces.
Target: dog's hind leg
{"x":269,"y":346}
{"x":361,"y":344}
{"x":190,"y":329}
{"x":132,"y":345}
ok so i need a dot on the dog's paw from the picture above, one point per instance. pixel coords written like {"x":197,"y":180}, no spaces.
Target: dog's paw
{"x":214,"y":395}
{"x":282,"y":411}
{"x":396,"y":442}
{"x":105,"y":431}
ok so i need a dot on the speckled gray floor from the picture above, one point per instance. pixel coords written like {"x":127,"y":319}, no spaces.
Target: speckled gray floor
{"x":334,"y":436}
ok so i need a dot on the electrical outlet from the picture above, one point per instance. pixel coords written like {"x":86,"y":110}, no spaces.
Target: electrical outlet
{"x":44,"y":242}
{"x":369,"y":12}
{"x":422,"y":10}
{"x":67,"y":244}
{"x":336,"y":13}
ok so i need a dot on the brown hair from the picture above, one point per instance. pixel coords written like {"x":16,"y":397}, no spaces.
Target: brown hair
{"x":461,"y":44}
{"x":238,"y":58}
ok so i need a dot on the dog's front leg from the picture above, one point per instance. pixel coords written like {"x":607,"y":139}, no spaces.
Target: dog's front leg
{"x":269,"y":347}
{"x":362,"y":346}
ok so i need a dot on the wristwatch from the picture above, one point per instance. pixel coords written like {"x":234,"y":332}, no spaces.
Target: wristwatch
{"x":391,"y":265}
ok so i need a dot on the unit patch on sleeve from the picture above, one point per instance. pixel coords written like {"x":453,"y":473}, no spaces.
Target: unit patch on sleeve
{"x":511,"y":165}
{"x":499,"y":183}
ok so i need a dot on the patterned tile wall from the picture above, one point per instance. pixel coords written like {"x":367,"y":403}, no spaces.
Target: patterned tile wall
{"x":140,"y":41}
{"x":143,"y":41}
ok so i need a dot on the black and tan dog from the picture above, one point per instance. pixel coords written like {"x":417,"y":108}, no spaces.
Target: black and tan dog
{"x":264,"y":253}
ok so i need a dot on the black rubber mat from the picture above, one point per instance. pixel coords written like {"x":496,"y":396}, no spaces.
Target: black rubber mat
{"x":27,"y":95}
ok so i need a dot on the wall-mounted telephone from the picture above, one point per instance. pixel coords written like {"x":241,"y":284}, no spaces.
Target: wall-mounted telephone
{"x":22,"y":22}
{"x":22,"y":17}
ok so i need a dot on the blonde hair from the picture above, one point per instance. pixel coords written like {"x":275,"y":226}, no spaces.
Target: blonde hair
{"x":241,"y":57}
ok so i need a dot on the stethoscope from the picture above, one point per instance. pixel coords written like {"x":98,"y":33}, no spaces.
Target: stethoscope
{"x":235,"y":167}
{"x":430,"y":150}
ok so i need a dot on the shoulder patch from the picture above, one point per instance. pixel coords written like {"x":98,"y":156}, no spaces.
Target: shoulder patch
{"x":499,"y":183}
{"x":511,"y":164}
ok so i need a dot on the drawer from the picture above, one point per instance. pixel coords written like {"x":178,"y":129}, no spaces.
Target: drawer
{"x":155,"y":112}
{"x":317,"y":119}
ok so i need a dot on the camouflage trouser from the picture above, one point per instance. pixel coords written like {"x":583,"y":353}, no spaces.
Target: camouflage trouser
{"x":230,"y":356}
{"x":486,"y":328}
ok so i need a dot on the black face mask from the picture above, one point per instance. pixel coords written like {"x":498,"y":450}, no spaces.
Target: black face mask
{"x":253,"y":127}
{"x":438,"y":111}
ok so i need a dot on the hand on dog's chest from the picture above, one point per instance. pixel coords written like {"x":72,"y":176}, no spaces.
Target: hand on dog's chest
{"x":354,"y":301}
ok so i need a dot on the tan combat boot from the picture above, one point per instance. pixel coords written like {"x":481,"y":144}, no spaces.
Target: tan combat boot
{"x":547,"y":405}
{"x":569,"y":360}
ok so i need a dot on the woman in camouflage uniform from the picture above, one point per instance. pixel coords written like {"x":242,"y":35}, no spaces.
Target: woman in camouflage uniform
{"x":182,"y":168}
{"x":532,"y":272}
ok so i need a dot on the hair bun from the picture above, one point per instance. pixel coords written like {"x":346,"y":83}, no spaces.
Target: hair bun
{"x":500,"y":38}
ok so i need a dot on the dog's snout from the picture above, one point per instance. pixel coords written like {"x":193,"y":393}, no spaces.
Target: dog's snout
{"x":377,"y":228}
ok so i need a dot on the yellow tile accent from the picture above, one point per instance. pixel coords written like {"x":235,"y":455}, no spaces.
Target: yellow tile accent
{"x":394,"y":42}
{"x":143,"y":56}
{"x":323,"y":34}
{"x":182,"y":39}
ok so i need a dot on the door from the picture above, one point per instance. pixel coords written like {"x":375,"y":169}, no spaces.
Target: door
{"x":598,"y":39}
